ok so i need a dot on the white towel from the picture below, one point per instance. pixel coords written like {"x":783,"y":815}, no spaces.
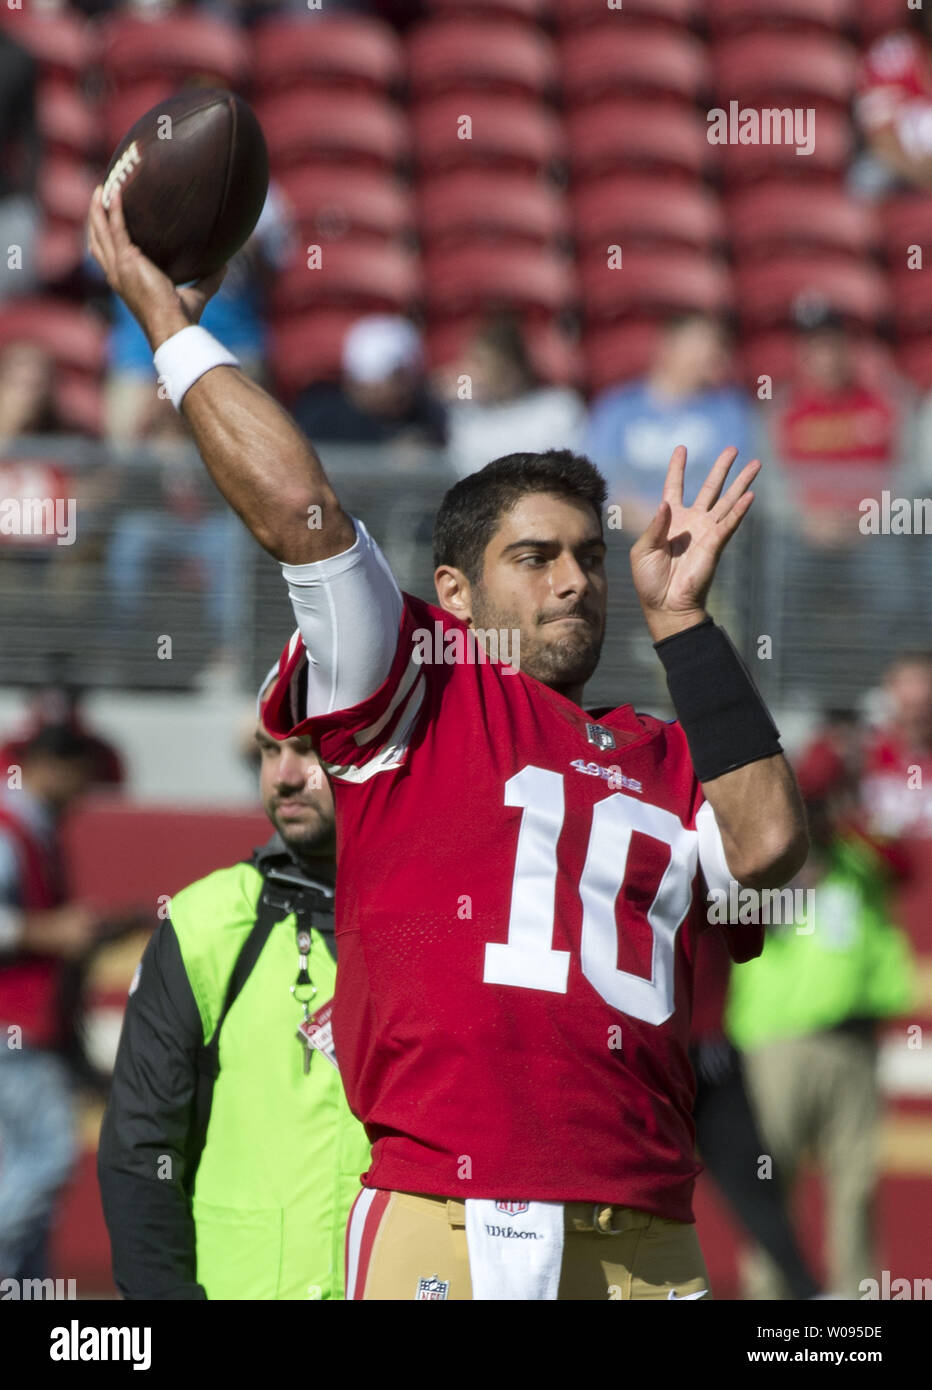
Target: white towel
{"x":515,"y":1248}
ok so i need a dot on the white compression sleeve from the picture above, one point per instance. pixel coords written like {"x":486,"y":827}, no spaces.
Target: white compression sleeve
{"x":348,"y":608}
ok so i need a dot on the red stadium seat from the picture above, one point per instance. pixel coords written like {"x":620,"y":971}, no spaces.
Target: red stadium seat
{"x":573,"y":14}
{"x":304,"y":127}
{"x":774,"y":354}
{"x":768,"y":287}
{"x":471,"y":278}
{"x":771,"y":66}
{"x":484,"y":203}
{"x":654,"y":282}
{"x":616,"y":133}
{"x":63,"y":44}
{"x":554,"y":357}
{"x":79,"y":400}
{"x":734,"y":16}
{"x":367,"y":277}
{"x":65,"y":189}
{"x":636,"y":209}
{"x":914,"y":359}
{"x":308,"y":347}
{"x":330,"y":202}
{"x":348,"y":50}
{"x":123,"y":108}
{"x":66,"y":122}
{"x":790,"y":215}
{"x":828,"y":161}
{"x":468,"y":54}
{"x":906,"y":221}
{"x":876,"y":17}
{"x":620,"y":60}
{"x":59,"y":253}
{"x":505,"y":132}
{"x":616,"y":353}
{"x":73,"y":337}
{"x":173,"y":47}
{"x":912,"y":300}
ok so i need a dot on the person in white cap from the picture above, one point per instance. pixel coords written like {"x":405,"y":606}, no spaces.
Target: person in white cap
{"x":382,"y":397}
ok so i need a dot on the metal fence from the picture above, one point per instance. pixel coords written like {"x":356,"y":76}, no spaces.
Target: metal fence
{"x":159,"y":587}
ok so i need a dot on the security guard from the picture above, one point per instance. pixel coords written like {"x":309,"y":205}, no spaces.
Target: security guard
{"x":228,"y":1157}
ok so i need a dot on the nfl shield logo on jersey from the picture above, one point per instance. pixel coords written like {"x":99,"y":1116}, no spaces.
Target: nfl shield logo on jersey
{"x":432,"y":1288}
{"x":512,"y":1208}
{"x":600,"y":736}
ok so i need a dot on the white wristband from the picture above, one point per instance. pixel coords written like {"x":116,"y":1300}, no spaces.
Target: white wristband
{"x":186,"y":356}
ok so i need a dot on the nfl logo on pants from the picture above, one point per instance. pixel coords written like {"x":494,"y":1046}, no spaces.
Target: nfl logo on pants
{"x":512,"y":1208}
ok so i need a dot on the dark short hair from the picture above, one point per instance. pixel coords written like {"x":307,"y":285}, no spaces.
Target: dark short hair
{"x":470,"y":512}
{"x":62,"y":742}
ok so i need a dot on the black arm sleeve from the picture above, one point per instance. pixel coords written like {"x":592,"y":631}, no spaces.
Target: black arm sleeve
{"x":146,"y":1132}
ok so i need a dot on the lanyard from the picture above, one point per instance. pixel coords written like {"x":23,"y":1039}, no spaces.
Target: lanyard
{"x":304,"y":988}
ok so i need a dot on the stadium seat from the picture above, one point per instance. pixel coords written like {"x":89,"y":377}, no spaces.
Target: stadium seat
{"x":736,"y":16}
{"x":827,"y":163}
{"x":73,"y":337}
{"x":307,"y":347}
{"x":792,"y":216}
{"x":876,"y":17}
{"x":348,"y":50}
{"x":768,"y":287}
{"x":616,"y":353}
{"x":79,"y":399}
{"x":66,"y":122}
{"x":330,"y":202}
{"x":556,"y":359}
{"x":123,"y":108}
{"x":320,"y":126}
{"x":472,"y":278}
{"x":573,"y":14}
{"x":615,"y":133}
{"x":59,"y":253}
{"x":912,"y":300}
{"x":65,"y":189}
{"x":353,"y":274}
{"x":768,"y":67}
{"x":653,"y":282}
{"x":637,"y":209}
{"x":621,"y":60}
{"x":506,"y":132}
{"x":905,"y":221}
{"x":173,"y":47}
{"x":774,"y":354}
{"x":487,"y":204}
{"x":64,"y":44}
{"x":914,"y":359}
{"x":469,"y":54}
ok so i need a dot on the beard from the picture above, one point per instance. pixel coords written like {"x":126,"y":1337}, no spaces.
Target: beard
{"x":560,"y":661}
{"x":312,"y":839}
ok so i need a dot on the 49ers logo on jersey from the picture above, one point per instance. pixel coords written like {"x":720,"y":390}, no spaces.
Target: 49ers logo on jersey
{"x":512,"y":1208}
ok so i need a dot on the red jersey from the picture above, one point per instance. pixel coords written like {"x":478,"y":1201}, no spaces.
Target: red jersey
{"x":894,"y":74}
{"x":517,"y":905}
{"x":838,"y":447}
{"x":896,"y":793}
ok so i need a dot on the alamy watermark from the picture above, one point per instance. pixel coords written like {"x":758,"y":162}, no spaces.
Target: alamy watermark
{"x":771,"y":125}
{"x":780,"y":907}
{"x":476,"y":646}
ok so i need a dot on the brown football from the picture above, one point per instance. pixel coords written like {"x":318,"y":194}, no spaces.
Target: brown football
{"x":194,"y":173}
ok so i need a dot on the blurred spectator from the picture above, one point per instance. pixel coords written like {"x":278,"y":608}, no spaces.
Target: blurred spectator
{"x":683,"y":399}
{"x":727,"y":1137}
{"x":383,"y":396}
{"x":40,"y":930}
{"x":59,"y":704}
{"x":837,"y":437}
{"x":509,"y":410}
{"x":894,"y":107}
{"x":27,"y":397}
{"x":805,"y":1014}
{"x":19,"y":167}
{"x":233,"y":315}
{"x":896,"y":790}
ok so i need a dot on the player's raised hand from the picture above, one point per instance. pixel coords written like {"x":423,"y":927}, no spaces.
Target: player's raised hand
{"x":160,"y":306}
{"x":674,"y":561}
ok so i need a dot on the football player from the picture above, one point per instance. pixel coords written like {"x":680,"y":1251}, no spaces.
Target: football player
{"x":521,"y":879}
